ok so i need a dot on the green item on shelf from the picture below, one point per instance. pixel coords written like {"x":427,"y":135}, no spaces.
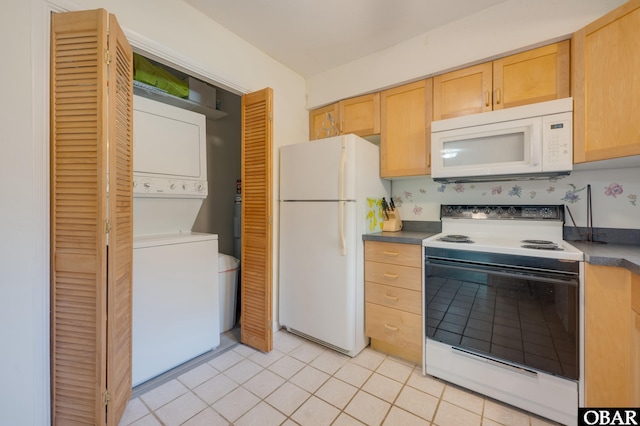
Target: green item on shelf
{"x":156,"y":76}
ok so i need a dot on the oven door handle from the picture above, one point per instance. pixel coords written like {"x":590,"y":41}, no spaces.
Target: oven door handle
{"x":548,"y":277}
{"x":494,"y":361}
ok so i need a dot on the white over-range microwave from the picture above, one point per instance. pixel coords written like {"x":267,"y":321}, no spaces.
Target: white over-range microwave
{"x":527,"y":142}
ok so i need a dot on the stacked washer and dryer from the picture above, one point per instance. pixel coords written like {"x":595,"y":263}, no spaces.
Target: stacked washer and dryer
{"x":175,"y":271}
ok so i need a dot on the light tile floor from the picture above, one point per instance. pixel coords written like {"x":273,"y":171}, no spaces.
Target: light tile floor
{"x":302,"y":383}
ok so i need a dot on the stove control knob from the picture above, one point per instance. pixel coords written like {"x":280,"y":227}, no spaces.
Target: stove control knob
{"x":448,"y":210}
{"x":487,"y":210}
{"x":499,"y":211}
{"x":511,"y":211}
{"x":475,"y":210}
{"x":459,"y":210}
{"x":546,"y":212}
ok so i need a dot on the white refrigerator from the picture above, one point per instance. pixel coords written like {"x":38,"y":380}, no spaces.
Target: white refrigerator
{"x":324,"y":190}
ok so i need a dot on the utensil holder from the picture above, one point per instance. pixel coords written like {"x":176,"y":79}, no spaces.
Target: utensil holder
{"x":393,"y":223}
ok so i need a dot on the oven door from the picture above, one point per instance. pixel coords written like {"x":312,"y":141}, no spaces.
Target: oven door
{"x":517,"y":312}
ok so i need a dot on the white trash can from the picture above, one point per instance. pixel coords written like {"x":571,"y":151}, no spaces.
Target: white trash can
{"x":227,"y":286}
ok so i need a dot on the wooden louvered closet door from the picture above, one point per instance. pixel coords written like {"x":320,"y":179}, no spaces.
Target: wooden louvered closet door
{"x":120,"y":253}
{"x":257,"y":257}
{"x":85,"y":348}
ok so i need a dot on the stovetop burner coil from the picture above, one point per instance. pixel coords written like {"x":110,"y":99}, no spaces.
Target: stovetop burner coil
{"x":454,"y":238}
{"x":543,"y":247}
{"x":537,"y":242}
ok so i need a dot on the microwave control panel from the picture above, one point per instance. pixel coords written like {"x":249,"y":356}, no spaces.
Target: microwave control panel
{"x":557,"y":142}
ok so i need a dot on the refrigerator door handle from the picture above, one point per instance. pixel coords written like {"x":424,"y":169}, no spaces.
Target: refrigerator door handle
{"x":343,"y":164}
{"x":341,"y":172}
{"x":343,"y":243}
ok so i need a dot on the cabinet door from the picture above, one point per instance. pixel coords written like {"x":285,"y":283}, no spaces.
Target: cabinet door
{"x":405,"y":142}
{"x":462,"y":92}
{"x":360,"y":115}
{"x":608,"y":333}
{"x":606,"y":86}
{"x":324,"y":122}
{"x":536,"y":75}
{"x":635,"y":338}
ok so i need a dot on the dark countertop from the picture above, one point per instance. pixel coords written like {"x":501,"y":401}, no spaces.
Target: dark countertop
{"x":611,"y":254}
{"x":403,"y":237}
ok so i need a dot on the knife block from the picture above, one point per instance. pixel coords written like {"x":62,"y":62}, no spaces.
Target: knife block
{"x":394,"y":223}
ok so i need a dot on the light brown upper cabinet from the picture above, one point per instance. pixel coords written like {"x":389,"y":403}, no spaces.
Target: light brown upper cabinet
{"x":462,"y":92}
{"x":606,"y":86}
{"x":324,"y":122}
{"x":405,"y":129}
{"x":536,"y":75}
{"x":359,"y":115}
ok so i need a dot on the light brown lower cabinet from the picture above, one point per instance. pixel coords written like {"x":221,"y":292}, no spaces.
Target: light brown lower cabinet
{"x":393,"y":298}
{"x":612,"y":337}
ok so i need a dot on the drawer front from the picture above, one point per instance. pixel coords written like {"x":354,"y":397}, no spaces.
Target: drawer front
{"x":396,"y":275}
{"x":396,"y":253}
{"x":393,"y":297}
{"x":398,"y":328}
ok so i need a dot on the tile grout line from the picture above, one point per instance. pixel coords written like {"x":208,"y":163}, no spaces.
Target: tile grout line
{"x":260,"y":399}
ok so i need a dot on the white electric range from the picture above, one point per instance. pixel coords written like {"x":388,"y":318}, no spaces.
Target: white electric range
{"x":503,"y":306}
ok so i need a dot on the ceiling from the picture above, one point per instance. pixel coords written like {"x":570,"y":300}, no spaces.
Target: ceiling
{"x":312,"y":36}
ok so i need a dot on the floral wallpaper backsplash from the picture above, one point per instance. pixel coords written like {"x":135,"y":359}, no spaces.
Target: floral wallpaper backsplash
{"x":614,"y":196}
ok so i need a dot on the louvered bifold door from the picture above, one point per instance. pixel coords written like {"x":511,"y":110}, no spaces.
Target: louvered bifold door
{"x":120,"y":254}
{"x":78,"y":217}
{"x":256,"y":263}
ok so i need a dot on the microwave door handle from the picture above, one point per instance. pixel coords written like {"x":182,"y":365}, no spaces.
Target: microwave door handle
{"x":536,"y":148}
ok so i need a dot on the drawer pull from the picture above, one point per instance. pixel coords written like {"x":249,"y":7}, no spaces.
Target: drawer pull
{"x":390,"y":327}
{"x":390,"y":253}
{"x":394,"y":276}
{"x":391,"y":297}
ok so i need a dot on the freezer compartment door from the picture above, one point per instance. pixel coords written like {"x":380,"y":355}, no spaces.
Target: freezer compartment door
{"x":319,"y":170}
{"x":317,"y":291}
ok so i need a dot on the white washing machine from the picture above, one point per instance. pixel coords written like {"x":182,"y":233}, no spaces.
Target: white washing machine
{"x":175,"y":301}
{"x":175,"y":271}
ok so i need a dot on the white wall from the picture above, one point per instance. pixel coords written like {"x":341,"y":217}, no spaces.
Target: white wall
{"x":24,"y":246}
{"x":505,"y":27}
{"x":23,"y":271}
